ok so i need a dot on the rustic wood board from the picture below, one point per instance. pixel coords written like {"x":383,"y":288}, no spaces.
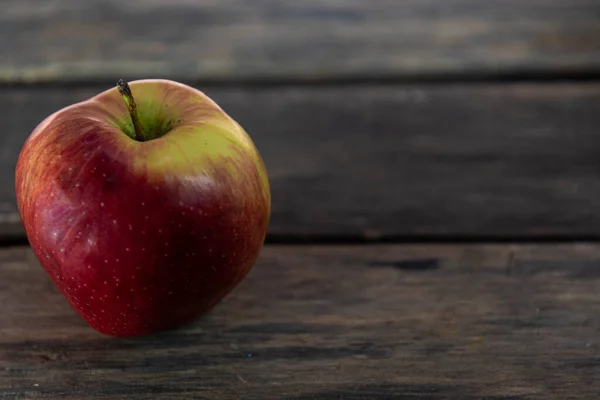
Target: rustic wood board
{"x":376,"y":161}
{"x":495,"y":322}
{"x":65,"y":40}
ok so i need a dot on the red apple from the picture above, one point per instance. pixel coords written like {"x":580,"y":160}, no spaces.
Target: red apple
{"x":144,"y":215}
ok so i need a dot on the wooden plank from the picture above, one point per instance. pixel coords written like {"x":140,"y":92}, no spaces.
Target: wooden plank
{"x":378,"y":161}
{"x":502,"y":322}
{"x":65,"y":40}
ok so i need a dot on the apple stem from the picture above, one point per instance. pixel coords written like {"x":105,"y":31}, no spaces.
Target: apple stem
{"x":125,"y":91}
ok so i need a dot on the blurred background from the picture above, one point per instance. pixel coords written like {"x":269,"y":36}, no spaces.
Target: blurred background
{"x":378,"y":120}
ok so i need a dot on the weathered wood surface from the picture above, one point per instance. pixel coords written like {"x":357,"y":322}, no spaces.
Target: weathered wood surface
{"x":66,"y":40}
{"x":376,"y":161}
{"x":501,"y":322}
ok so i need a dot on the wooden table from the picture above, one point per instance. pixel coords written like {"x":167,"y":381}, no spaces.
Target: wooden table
{"x":436,"y":202}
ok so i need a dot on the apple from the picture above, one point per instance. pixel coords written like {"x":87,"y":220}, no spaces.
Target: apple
{"x":146,"y":205}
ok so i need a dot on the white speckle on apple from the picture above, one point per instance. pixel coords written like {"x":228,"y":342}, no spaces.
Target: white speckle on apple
{"x":105,"y":282}
{"x":101,"y":204}
{"x":77,"y":185}
{"x":104,"y":175}
{"x":143,"y":249}
{"x":116,"y":260}
{"x":114,"y":221}
{"x":105,"y":261}
{"x":126,"y":248}
{"x":160,"y":231}
{"x":130,"y":227}
{"x":143,"y":204}
{"x":89,"y":267}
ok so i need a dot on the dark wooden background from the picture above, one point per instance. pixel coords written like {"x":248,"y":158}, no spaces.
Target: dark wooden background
{"x":382,"y":123}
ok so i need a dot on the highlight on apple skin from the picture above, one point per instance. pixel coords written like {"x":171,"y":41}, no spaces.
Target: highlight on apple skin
{"x":143,"y":225}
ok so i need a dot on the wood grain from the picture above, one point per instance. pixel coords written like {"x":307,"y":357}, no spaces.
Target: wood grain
{"x":65,"y":40}
{"x":501,"y":322}
{"x":379,"y":161}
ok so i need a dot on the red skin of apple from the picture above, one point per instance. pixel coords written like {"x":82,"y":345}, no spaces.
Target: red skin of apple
{"x":143,"y":236}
